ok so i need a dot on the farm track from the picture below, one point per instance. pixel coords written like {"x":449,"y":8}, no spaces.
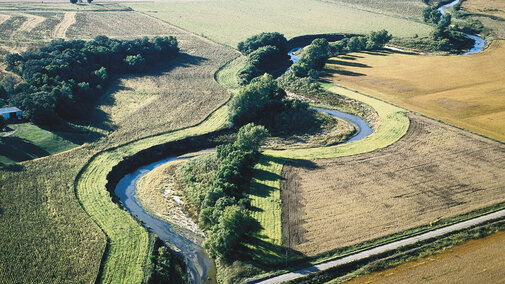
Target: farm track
{"x":385,"y":248}
{"x":61,"y":29}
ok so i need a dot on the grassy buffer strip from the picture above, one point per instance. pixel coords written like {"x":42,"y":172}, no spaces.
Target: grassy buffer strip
{"x":265,"y":186}
{"x":128,"y":242}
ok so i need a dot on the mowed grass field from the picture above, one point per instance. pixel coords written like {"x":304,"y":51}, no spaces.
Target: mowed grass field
{"x":44,"y":231}
{"x":31,"y":141}
{"x":232,"y":21}
{"x":468,"y":91}
{"x":476,"y":261}
{"x":434,"y":171}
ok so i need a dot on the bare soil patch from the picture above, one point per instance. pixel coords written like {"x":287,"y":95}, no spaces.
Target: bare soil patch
{"x":434,"y":171}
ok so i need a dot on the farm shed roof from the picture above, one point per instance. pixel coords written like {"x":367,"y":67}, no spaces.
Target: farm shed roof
{"x":9,"y":110}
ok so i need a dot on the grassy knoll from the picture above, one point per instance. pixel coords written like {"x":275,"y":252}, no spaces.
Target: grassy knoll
{"x":31,"y":141}
{"x":44,"y":231}
{"x":467,"y":91}
{"x":484,"y":256}
{"x":231,"y":21}
{"x":430,"y":173}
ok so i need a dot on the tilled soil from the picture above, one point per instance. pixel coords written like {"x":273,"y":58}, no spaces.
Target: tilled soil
{"x":434,"y":171}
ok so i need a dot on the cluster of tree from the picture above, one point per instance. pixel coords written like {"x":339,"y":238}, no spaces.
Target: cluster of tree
{"x":266,"y":53}
{"x":431,"y":15}
{"x":166,"y":267}
{"x":194,"y":178}
{"x":222,"y":212}
{"x":263,"y":102}
{"x":445,"y":36}
{"x":3,"y":96}
{"x":316,"y":54}
{"x":64,"y":78}
{"x":449,"y":38}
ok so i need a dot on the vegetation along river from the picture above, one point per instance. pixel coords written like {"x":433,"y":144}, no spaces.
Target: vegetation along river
{"x":479,"y":42}
{"x":200,"y":267}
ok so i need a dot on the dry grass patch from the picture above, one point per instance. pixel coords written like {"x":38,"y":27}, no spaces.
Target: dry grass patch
{"x":468,"y":91}
{"x":495,"y":8}
{"x":476,"y":261}
{"x":434,"y":171}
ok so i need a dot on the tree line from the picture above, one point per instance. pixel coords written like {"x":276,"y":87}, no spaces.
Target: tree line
{"x":62,"y":80}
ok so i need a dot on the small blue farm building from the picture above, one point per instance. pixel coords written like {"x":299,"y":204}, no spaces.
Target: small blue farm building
{"x":11,"y":113}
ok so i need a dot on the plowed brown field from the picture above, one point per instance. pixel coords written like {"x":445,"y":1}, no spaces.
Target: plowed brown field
{"x":434,"y":171}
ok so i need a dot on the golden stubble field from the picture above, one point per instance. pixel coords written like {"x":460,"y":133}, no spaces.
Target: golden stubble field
{"x":476,"y":261}
{"x":434,"y":171}
{"x":468,"y":91}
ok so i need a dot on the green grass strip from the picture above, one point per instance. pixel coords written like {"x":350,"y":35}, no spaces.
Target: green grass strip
{"x":265,"y":185}
{"x":393,"y":125}
{"x":128,"y":241}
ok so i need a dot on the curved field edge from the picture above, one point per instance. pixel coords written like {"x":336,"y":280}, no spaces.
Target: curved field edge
{"x":127,"y":241}
{"x":266,"y":182}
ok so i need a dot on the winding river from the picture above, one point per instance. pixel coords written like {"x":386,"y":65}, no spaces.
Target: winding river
{"x":478,"y":41}
{"x":200,"y":268}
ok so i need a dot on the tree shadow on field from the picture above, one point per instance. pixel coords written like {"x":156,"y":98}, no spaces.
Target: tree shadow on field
{"x":260,"y":189}
{"x":342,"y":72}
{"x":347,"y":63}
{"x":18,"y":149}
{"x":304,"y":164}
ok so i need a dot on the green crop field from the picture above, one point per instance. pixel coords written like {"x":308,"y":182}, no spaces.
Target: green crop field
{"x":231,"y":21}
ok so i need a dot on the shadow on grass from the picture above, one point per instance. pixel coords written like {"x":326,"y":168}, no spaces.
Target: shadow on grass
{"x":261,"y":190}
{"x":18,"y":149}
{"x":267,"y":254}
{"x":342,"y":72}
{"x":304,"y":164}
{"x":12,"y":168}
{"x":347,"y":63}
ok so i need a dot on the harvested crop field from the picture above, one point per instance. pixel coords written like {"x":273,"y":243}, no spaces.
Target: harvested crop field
{"x":476,"y":261}
{"x":434,"y":171}
{"x":468,"y":91}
